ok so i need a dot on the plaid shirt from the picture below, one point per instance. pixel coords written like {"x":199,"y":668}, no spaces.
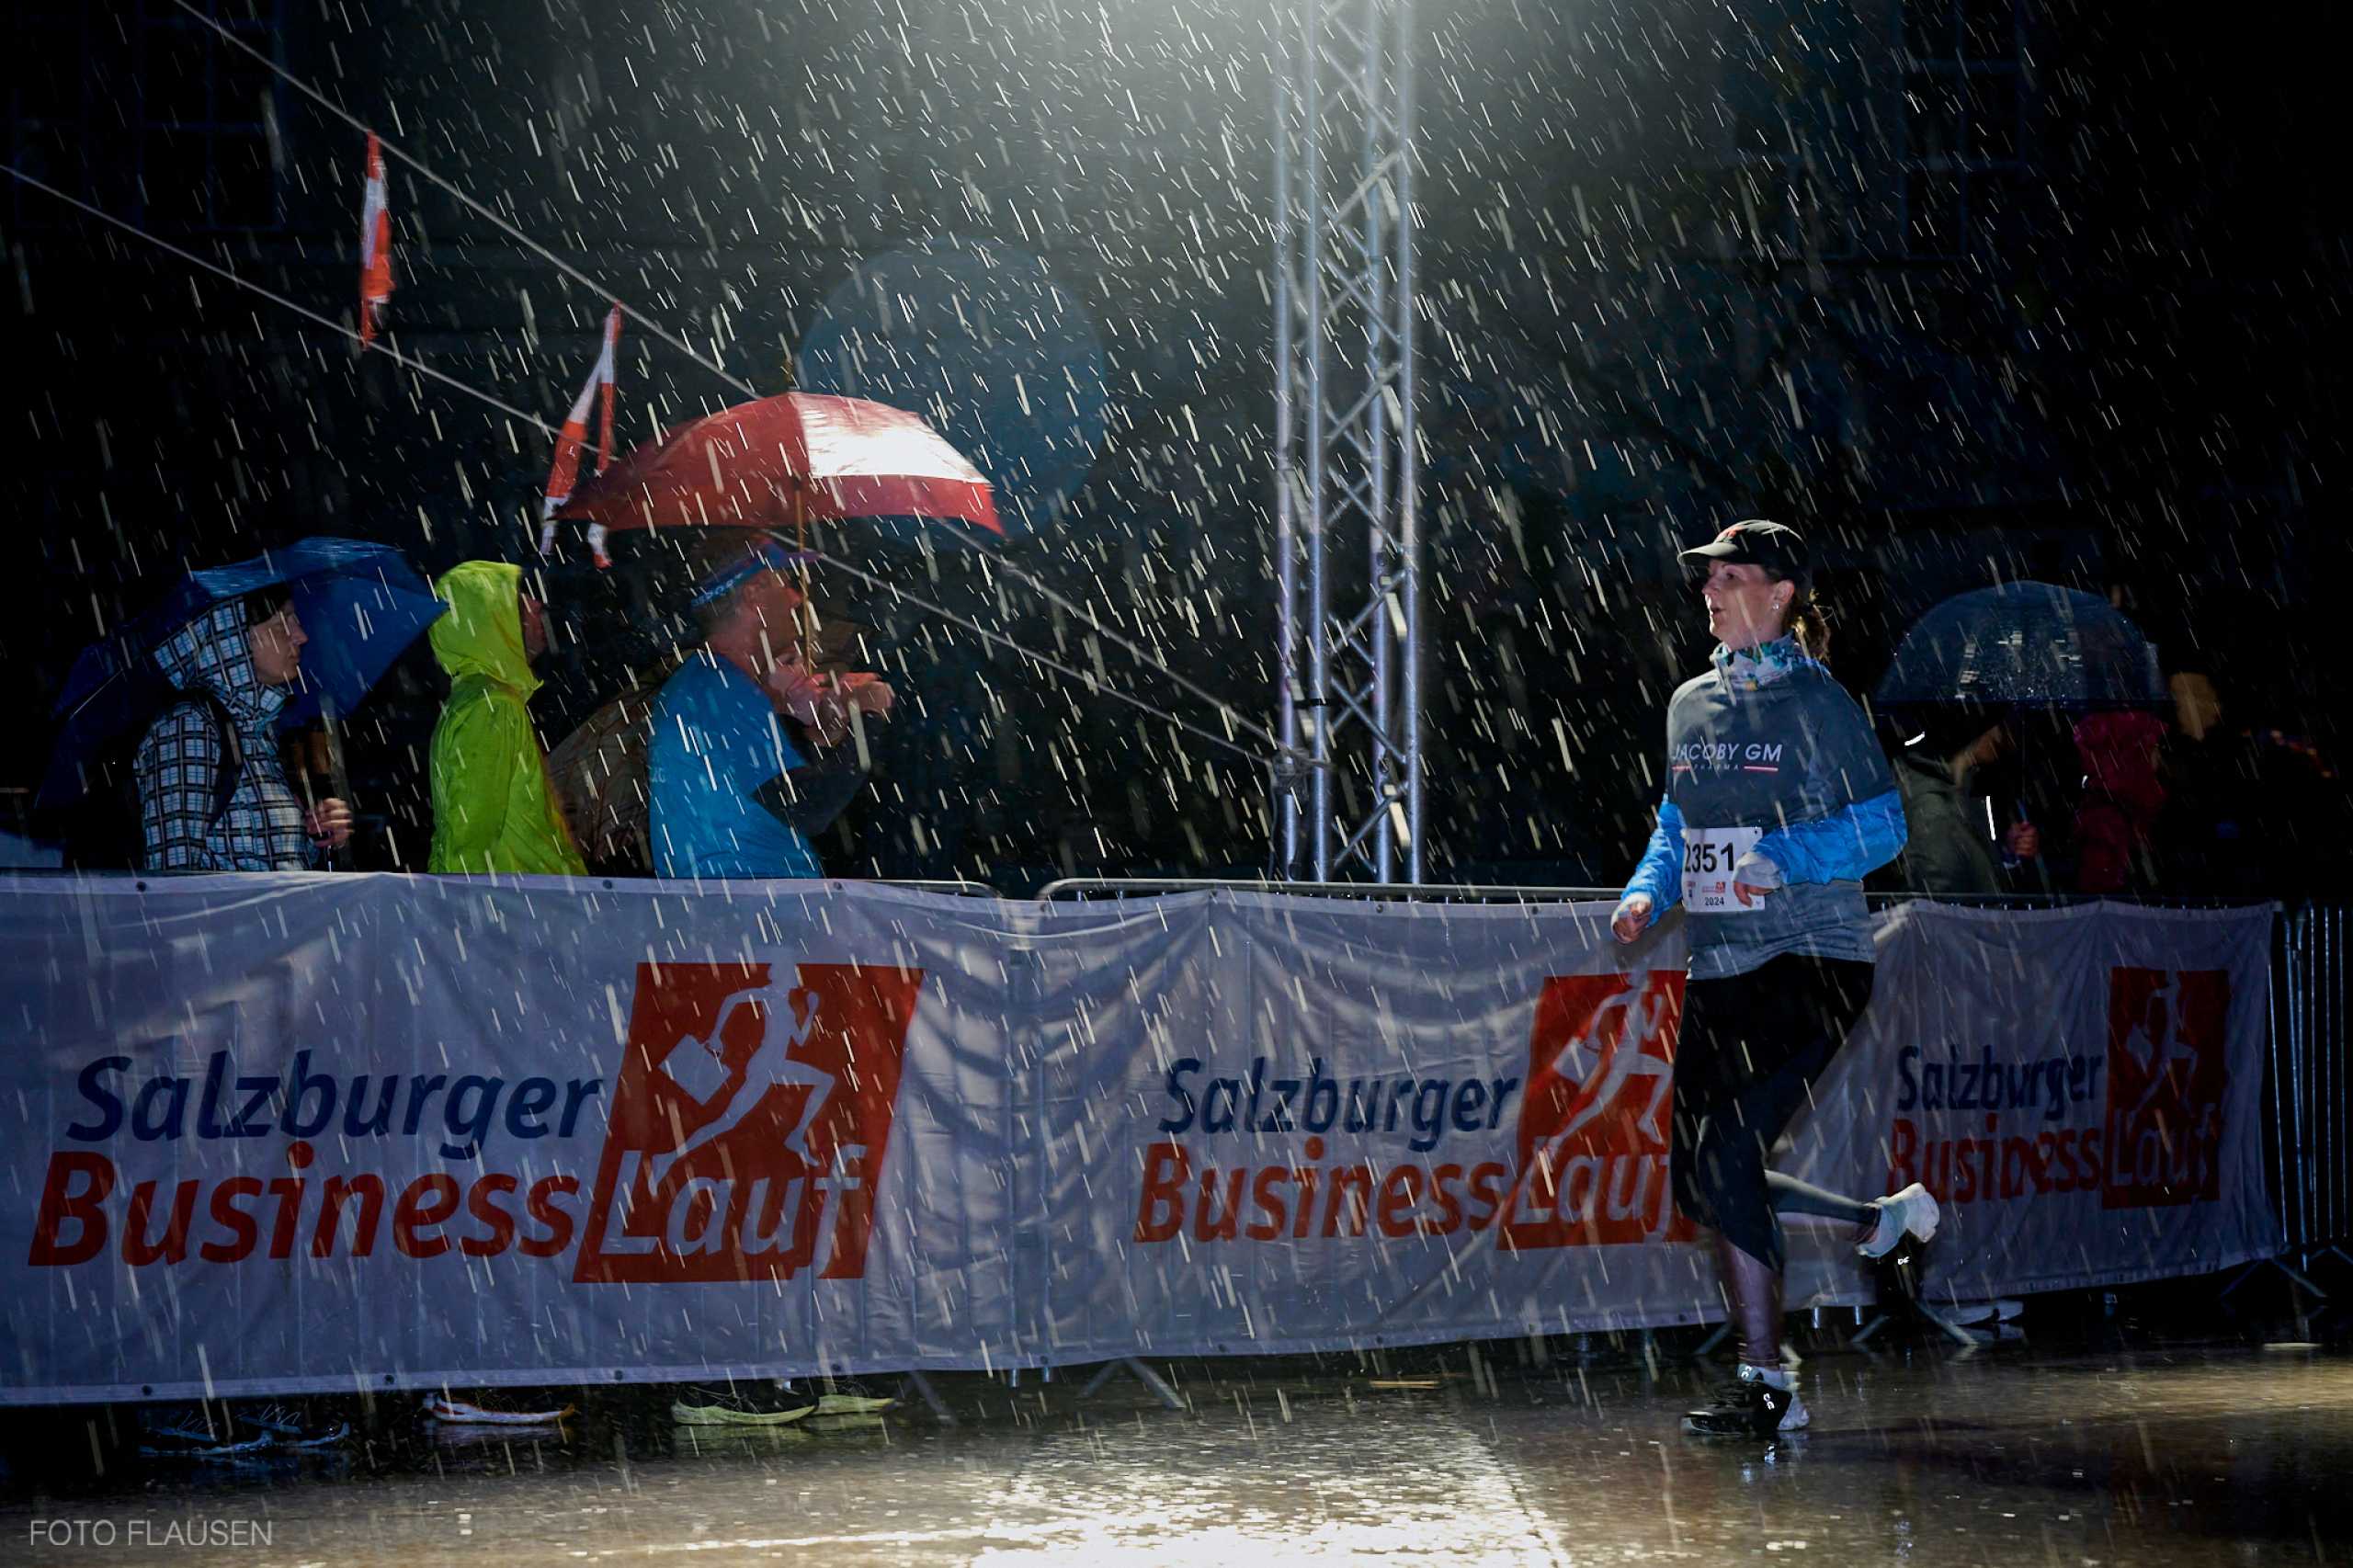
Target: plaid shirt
{"x":178,"y":762}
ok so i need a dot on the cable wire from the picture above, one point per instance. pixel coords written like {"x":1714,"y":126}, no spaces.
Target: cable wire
{"x":419,"y":165}
{"x":1225,"y":710}
{"x":1093,"y":682}
{"x":419,"y":366}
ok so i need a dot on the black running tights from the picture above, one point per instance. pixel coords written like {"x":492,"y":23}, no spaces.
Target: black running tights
{"x":1750,"y":1049}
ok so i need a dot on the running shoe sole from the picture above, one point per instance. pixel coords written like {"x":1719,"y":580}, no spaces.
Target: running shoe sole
{"x":853,"y":1405}
{"x":686,"y":1415}
{"x":1747,"y":1410}
{"x":843,"y":1424}
{"x":208,"y":1450}
{"x":455,"y":1434}
{"x":329,"y":1438}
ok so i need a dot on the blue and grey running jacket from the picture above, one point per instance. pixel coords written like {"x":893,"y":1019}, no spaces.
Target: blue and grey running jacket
{"x":1773,"y":744}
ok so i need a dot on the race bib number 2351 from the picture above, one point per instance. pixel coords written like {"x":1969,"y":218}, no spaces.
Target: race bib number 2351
{"x":1709,"y":855}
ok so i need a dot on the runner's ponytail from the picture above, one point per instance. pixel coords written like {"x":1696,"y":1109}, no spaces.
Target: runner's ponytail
{"x":1807,"y":620}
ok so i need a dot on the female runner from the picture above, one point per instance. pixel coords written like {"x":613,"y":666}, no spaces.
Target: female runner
{"x":1778,"y":801}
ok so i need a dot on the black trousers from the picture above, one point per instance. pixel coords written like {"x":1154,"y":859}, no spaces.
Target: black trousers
{"x":1750,"y":1049}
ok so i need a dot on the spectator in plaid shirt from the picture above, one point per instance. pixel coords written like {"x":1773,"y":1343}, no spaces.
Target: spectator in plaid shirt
{"x":236,"y":658}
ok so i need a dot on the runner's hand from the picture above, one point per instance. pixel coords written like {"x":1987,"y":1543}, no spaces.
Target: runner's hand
{"x":1754,"y":876}
{"x":1633,"y":917}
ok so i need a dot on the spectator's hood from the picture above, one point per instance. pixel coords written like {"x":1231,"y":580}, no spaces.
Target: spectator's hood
{"x":214,"y":653}
{"x":483,"y":633}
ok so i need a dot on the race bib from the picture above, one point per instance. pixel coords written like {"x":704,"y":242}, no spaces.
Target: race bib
{"x":1709,"y":855}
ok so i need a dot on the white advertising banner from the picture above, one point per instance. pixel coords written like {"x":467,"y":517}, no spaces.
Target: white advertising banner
{"x":2079,"y":1087}
{"x":284,"y":1134}
{"x":1281,"y":1123}
{"x":308,"y":1133}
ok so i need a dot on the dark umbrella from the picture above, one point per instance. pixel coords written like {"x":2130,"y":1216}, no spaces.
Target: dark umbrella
{"x":2024,"y":645}
{"x":2008,"y":652}
{"x":361,"y":605}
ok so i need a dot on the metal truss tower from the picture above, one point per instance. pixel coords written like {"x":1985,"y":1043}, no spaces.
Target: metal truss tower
{"x":1349,"y":787}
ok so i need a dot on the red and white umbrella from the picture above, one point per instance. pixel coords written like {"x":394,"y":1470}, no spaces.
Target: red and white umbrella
{"x":786,"y":462}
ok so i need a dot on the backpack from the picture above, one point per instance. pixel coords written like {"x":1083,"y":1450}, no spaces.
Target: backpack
{"x":599,"y":771}
{"x":104,"y":830}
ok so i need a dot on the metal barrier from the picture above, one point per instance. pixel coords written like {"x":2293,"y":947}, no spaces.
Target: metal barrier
{"x":960,"y":887}
{"x":1429,"y":893}
{"x":2311,"y":1095}
{"x":1529,"y":892}
{"x":2308,"y":1078}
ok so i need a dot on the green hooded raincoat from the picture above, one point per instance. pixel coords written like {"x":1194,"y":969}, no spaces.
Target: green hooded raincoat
{"x":493,"y":807}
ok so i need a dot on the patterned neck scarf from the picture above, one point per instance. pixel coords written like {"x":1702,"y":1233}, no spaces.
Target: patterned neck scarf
{"x":1749,"y":668}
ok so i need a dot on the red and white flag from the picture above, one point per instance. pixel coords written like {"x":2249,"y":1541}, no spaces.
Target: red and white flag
{"x":375,"y":245}
{"x":573,"y":440}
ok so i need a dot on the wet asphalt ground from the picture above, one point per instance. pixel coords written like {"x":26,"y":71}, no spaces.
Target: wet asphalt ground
{"x":2079,"y":1446}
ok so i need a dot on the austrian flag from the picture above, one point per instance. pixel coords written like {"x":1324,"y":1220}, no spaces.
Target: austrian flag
{"x":573,"y":440}
{"x":375,"y":245}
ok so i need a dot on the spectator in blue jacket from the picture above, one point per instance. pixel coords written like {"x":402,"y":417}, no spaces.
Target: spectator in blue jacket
{"x":745,"y":767}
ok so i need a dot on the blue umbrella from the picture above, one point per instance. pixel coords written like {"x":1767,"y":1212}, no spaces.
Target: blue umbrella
{"x":2024,"y":645}
{"x":361,"y":605}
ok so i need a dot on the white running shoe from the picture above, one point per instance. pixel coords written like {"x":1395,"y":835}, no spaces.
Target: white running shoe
{"x":1909,"y":1213}
{"x":1758,"y":1402}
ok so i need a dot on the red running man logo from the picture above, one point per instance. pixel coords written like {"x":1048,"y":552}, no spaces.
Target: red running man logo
{"x":1594,"y":1128}
{"x":2168,"y":1075}
{"x":749,"y":1123}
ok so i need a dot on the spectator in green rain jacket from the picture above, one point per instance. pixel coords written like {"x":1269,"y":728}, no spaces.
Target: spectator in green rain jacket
{"x":493,"y":807}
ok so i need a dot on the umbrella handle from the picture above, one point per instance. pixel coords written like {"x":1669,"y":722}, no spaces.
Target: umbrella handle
{"x":338,"y":776}
{"x":800,"y":548}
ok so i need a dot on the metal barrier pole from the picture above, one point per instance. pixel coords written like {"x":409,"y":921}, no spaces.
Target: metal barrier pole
{"x":2309,"y":1102}
{"x":2279,"y":1068}
{"x":1126,"y":887}
{"x":962,"y":887}
{"x":2299,"y":1002}
{"x":2337,"y":1228}
{"x":2293,"y":1159}
{"x":1033,"y":971}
